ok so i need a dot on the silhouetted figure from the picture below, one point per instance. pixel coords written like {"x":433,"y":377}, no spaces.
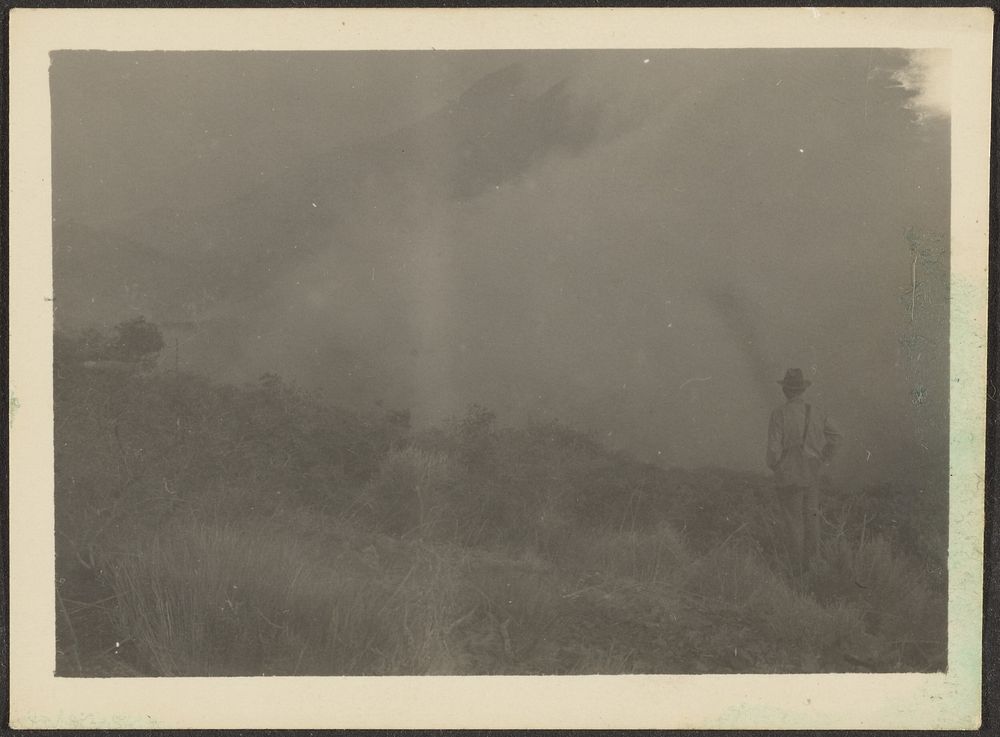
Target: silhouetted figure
{"x":800,"y":441}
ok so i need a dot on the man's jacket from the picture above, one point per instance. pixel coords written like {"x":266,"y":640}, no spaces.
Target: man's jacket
{"x":800,"y":439}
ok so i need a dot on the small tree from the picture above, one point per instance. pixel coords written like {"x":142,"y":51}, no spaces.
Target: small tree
{"x":136,"y":340}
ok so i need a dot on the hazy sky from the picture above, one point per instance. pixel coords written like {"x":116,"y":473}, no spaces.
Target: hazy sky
{"x":638,"y":243}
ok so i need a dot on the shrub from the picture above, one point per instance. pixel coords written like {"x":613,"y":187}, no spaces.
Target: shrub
{"x":801,"y":633}
{"x":511,"y":610}
{"x":134,"y":441}
{"x":892,"y":594}
{"x":135,"y":339}
{"x":413,"y":490}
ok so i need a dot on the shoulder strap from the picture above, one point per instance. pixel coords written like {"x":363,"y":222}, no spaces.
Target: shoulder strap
{"x":805,"y":428}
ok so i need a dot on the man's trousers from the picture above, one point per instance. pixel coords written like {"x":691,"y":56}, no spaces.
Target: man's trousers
{"x":800,"y":505}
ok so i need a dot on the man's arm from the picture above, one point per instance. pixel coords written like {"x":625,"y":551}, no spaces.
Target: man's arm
{"x":775,"y":440}
{"x":833,"y":439}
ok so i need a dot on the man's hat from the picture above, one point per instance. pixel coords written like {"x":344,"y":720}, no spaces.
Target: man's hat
{"x":794,"y":379}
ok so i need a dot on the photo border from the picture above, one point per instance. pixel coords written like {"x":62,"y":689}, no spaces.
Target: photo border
{"x":871,"y":701}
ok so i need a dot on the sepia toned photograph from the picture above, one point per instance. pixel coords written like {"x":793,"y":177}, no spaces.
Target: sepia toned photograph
{"x":393,"y":363}
{"x":502,"y":362}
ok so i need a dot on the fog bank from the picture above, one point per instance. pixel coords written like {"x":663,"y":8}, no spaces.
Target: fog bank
{"x":638,"y":243}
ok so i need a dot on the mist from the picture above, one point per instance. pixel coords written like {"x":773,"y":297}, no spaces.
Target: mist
{"x":638,"y":243}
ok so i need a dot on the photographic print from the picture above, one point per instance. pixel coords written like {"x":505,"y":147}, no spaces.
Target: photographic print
{"x":501,"y":361}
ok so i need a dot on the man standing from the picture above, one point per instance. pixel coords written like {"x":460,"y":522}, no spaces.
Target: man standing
{"x":800,"y":441}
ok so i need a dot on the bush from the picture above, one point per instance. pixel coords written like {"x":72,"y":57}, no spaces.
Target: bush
{"x":800,"y":633}
{"x":135,"y":339}
{"x":512,"y":609}
{"x":414,"y":490}
{"x":136,"y":441}
{"x":892,"y":594}
{"x":132,"y":341}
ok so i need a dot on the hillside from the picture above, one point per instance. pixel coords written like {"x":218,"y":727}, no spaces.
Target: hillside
{"x":205,"y":529}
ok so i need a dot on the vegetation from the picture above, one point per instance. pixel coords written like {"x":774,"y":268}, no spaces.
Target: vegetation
{"x":218,"y":530}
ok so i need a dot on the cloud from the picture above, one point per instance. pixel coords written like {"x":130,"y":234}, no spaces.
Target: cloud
{"x":927,"y":78}
{"x":500,"y":128}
